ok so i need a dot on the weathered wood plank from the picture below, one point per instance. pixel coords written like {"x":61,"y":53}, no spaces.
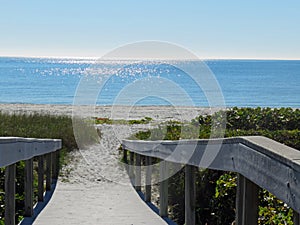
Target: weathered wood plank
{"x":138,"y":173}
{"x":31,"y":147}
{"x":296,"y":218}
{"x":190,"y":195}
{"x":239,"y":199}
{"x":148,"y":179}
{"x":48,"y":171}
{"x":53,"y":166}
{"x":131,"y":167}
{"x":163,"y":188}
{"x":41,"y":178}
{"x":10,"y":190}
{"x":247,"y":202}
{"x":28,"y":186}
{"x":125,"y":159}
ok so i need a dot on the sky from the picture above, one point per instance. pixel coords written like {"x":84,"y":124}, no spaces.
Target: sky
{"x":209,"y":28}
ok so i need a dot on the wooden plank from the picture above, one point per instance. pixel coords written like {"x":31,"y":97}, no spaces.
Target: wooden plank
{"x":131,"y":167}
{"x":41,"y":178}
{"x":28,"y":186}
{"x":125,"y":160}
{"x":190,"y":195}
{"x":57,"y":154}
{"x":239,"y":199}
{"x":163,"y":188}
{"x":249,"y":200}
{"x":296,"y":218}
{"x":148,"y":178}
{"x":48,"y":171}
{"x":10,"y":190}
{"x":54,"y":166}
{"x":138,"y":173}
{"x":16,"y":149}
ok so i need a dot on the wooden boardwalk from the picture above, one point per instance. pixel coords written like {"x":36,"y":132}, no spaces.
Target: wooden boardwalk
{"x":106,"y":203}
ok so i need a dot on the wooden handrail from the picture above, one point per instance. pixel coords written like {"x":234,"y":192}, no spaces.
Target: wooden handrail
{"x":259,"y":162}
{"x":15,"y":149}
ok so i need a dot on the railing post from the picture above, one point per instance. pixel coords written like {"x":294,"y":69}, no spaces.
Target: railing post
{"x":138,"y":174}
{"x":296,"y":218}
{"x":239,"y":199}
{"x":54,"y":166}
{"x":41,"y":178}
{"x":131,"y":167}
{"x":148,"y":178}
{"x":163,"y":188}
{"x":246,"y":202}
{"x":190,"y":195}
{"x":28,"y":192}
{"x":48,"y":171}
{"x":125,"y":160}
{"x":57,"y":162}
{"x":10,"y":190}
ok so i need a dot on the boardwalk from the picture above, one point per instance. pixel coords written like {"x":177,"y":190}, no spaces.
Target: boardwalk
{"x":95,"y":189}
{"x":108,"y":203}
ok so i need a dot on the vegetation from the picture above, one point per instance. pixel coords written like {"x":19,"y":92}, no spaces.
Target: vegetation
{"x":105,"y":120}
{"x":216,"y":189}
{"x":37,"y":126}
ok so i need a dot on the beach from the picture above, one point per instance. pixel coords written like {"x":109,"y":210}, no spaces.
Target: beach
{"x":157,"y":113}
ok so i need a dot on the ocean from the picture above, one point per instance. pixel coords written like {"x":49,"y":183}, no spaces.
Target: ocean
{"x":243,"y":83}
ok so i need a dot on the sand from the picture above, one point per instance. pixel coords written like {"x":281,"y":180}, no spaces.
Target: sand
{"x":158,"y":113}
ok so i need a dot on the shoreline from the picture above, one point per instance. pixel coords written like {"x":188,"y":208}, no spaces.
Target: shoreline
{"x":157,"y":113}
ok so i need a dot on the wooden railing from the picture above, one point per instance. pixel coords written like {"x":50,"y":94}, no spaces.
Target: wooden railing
{"x":260,"y":163}
{"x":15,"y":149}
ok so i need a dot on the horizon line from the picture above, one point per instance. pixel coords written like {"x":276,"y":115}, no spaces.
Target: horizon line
{"x":97,"y":58}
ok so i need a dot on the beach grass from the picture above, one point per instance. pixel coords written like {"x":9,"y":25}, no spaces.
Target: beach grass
{"x":105,"y":120}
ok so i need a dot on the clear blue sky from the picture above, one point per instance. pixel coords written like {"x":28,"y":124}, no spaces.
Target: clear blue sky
{"x":210,"y":28}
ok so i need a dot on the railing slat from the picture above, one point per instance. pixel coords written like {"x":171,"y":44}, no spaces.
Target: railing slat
{"x":41,"y":178}
{"x":190,"y":195}
{"x":163,"y":188}
{"x":296,"y":218}
{"x":247,"y":202}
{"x":131,"y":167}
{"x":137,"y":172}
{"x":125,"y":160}
{"x":10,"y":190}
{"x":53,"y":166}
{"x":28,"y":192}
{"x":148,"y":178}
{"x":48,"y":171}
{"x":239,"y":199}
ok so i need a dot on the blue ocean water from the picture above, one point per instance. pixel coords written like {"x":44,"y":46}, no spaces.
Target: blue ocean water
{"x":272,"y":83}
